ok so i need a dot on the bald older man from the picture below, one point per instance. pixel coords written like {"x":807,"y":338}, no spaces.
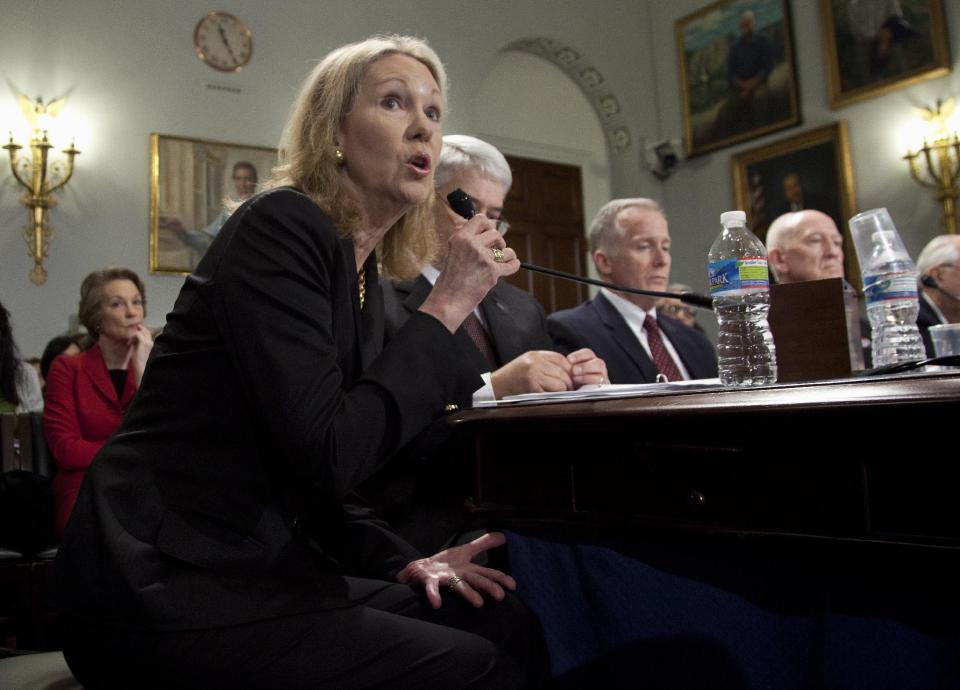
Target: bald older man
{"x":804,"y":245}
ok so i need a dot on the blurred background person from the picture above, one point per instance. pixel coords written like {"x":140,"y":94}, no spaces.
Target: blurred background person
{"x":88,"y":394}
{"x":70,"y":344}
{"x":675,"y":309}
{"x":19,"y":383}
{"x":939,"y":269}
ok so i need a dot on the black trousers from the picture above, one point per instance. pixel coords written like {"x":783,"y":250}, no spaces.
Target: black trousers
{"x":394,"y":640}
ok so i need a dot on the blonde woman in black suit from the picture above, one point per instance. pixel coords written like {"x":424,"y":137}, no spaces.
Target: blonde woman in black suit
{"x":216,"y":542}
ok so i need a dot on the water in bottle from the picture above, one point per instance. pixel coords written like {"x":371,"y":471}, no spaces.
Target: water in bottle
{"x":740,"y":287}
{"x":889,"y":287}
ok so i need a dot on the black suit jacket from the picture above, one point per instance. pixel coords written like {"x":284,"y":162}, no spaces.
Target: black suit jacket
{"x":598,"y":325}
{"x":422,"y":491}
{"x":514,"y":320}
{"x":265,"y":401}
{"x":927,"y":317}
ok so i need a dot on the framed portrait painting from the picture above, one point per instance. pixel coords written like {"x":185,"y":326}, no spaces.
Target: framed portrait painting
{"x":737,"y":72}
{"x":192,"y":181}
{"x":872,"y":47}
{"x":811,"y":170}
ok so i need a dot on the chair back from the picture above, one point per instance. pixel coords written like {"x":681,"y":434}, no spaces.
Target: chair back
{"x":23,"y":445}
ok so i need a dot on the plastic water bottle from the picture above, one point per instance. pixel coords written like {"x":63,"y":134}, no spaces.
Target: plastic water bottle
{"x":740,"y":287}
{"x":889,"y":287}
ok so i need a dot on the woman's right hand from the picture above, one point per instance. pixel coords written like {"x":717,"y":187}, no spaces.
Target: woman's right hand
{"x":139,"y":350}
{"x":470,"y":271}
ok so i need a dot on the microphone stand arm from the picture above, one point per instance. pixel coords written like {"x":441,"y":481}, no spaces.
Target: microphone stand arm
{"x":692,"y":298}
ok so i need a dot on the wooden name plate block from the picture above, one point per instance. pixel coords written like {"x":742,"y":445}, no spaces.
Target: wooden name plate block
{"x":816,"y":328}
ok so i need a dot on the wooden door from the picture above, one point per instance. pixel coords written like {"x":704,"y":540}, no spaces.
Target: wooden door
{"x":545,"y":210}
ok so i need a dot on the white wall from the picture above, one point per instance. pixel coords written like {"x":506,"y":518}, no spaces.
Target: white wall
{"x":129,"y":69}
{"x":528,"y":107}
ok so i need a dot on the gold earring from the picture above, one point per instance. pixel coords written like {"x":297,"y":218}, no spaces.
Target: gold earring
{"x":338,"y":154}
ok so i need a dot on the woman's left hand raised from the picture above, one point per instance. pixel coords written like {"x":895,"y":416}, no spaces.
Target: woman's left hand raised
{"x":454,"y":568}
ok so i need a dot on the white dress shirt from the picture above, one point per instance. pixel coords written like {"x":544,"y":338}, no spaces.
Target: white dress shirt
{"x":635,"y":316}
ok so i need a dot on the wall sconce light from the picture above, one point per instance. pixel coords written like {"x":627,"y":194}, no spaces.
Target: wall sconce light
{"x":40,"y":177}
{"x":941,"y":155}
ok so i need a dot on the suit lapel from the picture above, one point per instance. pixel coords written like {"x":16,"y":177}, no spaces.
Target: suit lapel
{"x":502,"y":326}
{"x":624,"y":337}
{"x":416,"y":292}
{"x":95,"y":369}
{"x":413,"y":293}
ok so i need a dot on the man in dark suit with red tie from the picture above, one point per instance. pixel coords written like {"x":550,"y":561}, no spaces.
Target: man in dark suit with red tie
{"x":630,"y":245}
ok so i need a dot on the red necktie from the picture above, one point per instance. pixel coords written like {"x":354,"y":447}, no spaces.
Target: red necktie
{"x":662,"y":358}
{"x":478,"y":334}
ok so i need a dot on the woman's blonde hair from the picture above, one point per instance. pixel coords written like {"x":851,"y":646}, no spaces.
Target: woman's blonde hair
{"x":308,"y":144}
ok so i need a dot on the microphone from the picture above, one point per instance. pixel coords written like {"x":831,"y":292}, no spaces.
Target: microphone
{"x":462,"y":204}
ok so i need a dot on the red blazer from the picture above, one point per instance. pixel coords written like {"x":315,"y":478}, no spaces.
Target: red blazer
{"x":81,"y":411}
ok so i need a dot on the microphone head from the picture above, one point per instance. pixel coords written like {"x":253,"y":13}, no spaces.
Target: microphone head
{"x":702,"y":301}
{"x":461,"y":203}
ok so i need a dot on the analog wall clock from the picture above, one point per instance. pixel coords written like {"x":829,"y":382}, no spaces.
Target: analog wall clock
{"x":223,"y":41}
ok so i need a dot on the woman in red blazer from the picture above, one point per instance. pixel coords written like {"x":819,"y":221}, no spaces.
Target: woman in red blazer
{"x":88,"y":394}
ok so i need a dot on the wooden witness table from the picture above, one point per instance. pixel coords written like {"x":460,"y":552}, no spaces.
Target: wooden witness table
{"x":856,"y":459}
{"x":790,"y":536}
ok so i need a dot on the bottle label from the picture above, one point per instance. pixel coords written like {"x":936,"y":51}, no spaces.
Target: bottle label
{"x":890,"y":286}
{"x":747,"y":273}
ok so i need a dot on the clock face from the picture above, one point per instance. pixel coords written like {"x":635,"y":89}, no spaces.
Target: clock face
{"x":223,"y":41}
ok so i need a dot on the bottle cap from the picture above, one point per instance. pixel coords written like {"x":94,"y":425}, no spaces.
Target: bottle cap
{"x":733,"y":216}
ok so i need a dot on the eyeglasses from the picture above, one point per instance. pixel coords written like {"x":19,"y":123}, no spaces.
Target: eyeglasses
{"x":501,"y":224}
{"x":678,"y":309}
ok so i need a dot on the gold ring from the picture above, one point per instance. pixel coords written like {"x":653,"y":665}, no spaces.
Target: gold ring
{"x":454,"y":581}
{"x":498,"y":255}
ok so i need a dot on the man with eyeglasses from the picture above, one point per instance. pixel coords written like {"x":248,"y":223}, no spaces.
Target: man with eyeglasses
{"x":939,"y":270}
{"x":422,"y":494}
{"x":675,"y":309}
{"x":507,"y":335}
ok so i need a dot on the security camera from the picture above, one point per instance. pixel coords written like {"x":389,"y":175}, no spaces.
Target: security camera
{"x":662,"y":156}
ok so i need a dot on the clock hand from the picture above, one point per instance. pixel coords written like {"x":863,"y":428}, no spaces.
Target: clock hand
{"x":223,"y":37}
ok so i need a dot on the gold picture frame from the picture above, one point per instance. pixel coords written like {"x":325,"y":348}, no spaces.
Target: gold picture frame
{"x":736,"y":84}
{"x":766,"y":180}
{"x":907,"y":48}
{"x":190,"y":181}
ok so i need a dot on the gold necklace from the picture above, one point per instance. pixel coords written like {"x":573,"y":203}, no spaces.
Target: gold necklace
{"x":362,"y":284}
